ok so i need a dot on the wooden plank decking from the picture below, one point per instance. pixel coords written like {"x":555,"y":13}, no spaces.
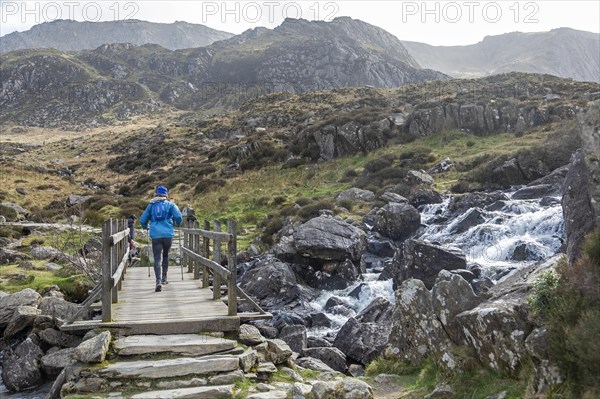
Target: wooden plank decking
{"x":181,"y":307}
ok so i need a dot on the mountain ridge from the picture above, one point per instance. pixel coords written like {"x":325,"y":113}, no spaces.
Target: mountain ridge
{"x":69,"y":35}
{"x":563,"y":52}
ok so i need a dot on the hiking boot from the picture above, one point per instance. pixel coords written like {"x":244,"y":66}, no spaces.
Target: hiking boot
{"x":164,"y":281}
{"x":158,"y":288}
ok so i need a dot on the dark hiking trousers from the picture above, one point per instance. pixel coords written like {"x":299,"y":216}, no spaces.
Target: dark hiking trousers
{"x":161,"y":245}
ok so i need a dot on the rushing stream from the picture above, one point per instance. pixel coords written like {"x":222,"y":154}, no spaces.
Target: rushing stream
{"x":507,"y":235}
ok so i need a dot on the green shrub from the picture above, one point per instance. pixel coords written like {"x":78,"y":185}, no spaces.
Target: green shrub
{"x":10,"y":232}
{"x":570,"y":309}
{"x":378,"y":164}
{"x":206,"y":184}
{"x":313,"y":210}
{"x":544,"y":291}
{"x":280,"y":199}
{"x":9,"y":213}
{"x":346,"y":203}
{"x":303,"y":201}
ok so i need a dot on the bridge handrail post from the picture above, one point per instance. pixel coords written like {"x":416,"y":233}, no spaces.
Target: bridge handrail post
{"x":217,"y":258}
{"x":206,"y":245}
{"x":197,"y":249}
{"x":232,"y":266}
{"x":114,"y":251}
{"x":106,"y":272}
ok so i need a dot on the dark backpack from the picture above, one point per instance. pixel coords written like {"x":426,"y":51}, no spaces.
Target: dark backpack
{"x":160,"y":211}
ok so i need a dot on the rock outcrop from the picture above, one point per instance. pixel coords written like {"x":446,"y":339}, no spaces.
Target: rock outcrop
{"x":423,"y":261}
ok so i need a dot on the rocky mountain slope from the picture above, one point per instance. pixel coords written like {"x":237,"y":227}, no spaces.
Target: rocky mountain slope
{"x":117,"y":81}
{"x":562,"y":52}
{"x":68,"y":35}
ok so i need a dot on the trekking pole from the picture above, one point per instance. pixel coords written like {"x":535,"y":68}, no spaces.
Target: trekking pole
{"x":180,"y":257}
{"x":148,"y":247}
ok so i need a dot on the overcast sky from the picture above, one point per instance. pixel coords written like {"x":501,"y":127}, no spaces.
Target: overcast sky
{"x":433,"y":22}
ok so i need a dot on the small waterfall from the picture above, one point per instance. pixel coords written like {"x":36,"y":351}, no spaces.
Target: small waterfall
{"x":508,"y":235}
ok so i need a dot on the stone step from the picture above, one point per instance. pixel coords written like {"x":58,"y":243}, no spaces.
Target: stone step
{"x":180,"y":344}
{"x":215,"y":392}
{"x":152,"y":369}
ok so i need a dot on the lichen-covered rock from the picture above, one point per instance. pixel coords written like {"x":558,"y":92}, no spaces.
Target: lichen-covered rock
{"x":397,"y":221}
{"x":58,"y":308}
{"x":279,"y":350}
{"x":327,"y":238}
{"x":295,"y":337}
{"x":53,"y":363}
{"x":355,"y":195}
{"x":312,"y":363}
{"x":547,"y":372}
{"x":21,"y":366}
{"x":348,"y":388}
{"x":361,"y":342}
{"x":416,"y":331}
{"x":332,"y":357}
{"x":94,"y":349}
{"x":247,"y":360}
{"x":250,"y":335}
{"x":58,"y":338}
{"x":452,"y":295}
{"x":423,"y":261}
{"x":497,"y":331}
{"x":363,"y":338}
{"x":578,"y":208}
{"x":9,"y":303}
{"x":22,"y":318}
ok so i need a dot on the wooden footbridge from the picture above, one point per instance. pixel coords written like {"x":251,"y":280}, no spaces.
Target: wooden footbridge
{"x":201,"y":297}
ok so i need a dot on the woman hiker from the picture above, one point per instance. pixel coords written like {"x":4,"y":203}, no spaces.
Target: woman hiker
{"x":161,"y":213}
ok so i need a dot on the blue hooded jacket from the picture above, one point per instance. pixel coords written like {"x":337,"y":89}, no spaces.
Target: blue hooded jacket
{"x":161,"y":228}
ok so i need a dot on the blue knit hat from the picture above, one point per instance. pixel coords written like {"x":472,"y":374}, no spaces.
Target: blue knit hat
{"x":162,"y":190}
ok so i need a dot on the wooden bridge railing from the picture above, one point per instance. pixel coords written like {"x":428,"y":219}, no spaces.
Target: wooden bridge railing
{"x":196,"y":254}
{"x":115,"y":256}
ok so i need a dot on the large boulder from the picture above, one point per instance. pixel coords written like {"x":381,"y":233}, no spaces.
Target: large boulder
{"x":496,"y":329}
{"x":547,"y":372}
{"x":422,"y":260}
{"x":21,"y":366}
{"x":44,"y":252}
{"x":355,"y":195}
{"x":361,"y":342}
{"x":8,"y":256}
{"x":58,"y":338}
{"x":73,"y":200}
{"x":348,"y":388}
{"x":55,"y":362}
{"x":58,"y":308}
{"x":397,"y":221}
{"x":332,"y":357}
{"x":295,"y":337}
{"x":450,"y":296}
{"x":416,"y":331}
{"x":328,"y":238}
{"x":9,"y":303}
{"x":18,"y":209}
{"x":578,"y":208}
{"x":22,"y":318}
{"x":274,"y":284}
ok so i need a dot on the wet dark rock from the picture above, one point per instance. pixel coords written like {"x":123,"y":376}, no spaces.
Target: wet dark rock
{"x":549,"y":201}
{"x":295,"y":337}
{"x":423,"y":261}
{"x":472,"y":218}
{"x":525,"y":252}
{"x":464,"y":273}
{"x":424,"y":196}
{"x":331,"y":356}
{"x":482,"y":285}
{"x":21,"y":366}
{"x":380,"y":246}
{"x":10,"y":303}
{"x":355,"y":293}
{"x":320,"y":320}
{"x":316,"y":342}
{"x":462,"y":203}
{"x":334,"y":301}
{"x":361,"y":342}
{"x":537,"y":191}
{"x":397,"y":221}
